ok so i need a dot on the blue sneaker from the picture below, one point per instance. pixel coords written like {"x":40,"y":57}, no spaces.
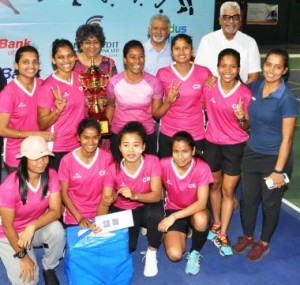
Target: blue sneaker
{"x":223,"y":244}
{"x":193,"y":262}
{"x":214,"y":230}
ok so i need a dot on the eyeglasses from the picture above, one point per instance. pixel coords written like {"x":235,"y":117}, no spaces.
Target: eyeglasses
{"x":234,"y":18}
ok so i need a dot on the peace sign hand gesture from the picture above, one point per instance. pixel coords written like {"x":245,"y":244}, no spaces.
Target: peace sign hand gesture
{"x":60,"y":103}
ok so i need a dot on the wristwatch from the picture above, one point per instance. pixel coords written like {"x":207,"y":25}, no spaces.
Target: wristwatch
{"x":20,"y":254}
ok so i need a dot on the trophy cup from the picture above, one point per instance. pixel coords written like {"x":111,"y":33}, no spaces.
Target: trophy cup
{"x":94,"y":82}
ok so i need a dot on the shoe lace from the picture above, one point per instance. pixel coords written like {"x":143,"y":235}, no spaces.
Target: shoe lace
{"x":193,"y":258}
{"x":224,"y":241}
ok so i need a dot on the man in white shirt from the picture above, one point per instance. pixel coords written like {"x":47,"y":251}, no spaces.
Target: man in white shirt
{"x":229,"y":36}
{"x":157,"y":48}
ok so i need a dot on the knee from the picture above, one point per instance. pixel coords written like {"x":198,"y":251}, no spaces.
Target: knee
{"x":200,"y":220}
{"x":174,"y":254}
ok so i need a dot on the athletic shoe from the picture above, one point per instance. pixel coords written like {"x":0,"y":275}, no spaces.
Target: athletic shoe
{"x":150,"y":268}
{"x":214,"y":230}
{"x":193,"y":262}
{"x":258,"y":250}
{"x":223,"y":244}
{"x":243,"y":243}
{"x":190,"y":233}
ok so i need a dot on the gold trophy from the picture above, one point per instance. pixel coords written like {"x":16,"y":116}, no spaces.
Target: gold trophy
{"x":94,"y":82}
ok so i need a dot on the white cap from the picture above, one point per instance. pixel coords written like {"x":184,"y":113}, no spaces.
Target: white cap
{"x":34,"y":147}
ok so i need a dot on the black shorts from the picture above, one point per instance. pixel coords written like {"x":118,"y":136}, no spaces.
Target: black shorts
{"x":227,"y":158}
{"x":180,"y":225}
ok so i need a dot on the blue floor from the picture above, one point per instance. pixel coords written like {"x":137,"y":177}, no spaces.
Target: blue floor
{"x":280,"y":266}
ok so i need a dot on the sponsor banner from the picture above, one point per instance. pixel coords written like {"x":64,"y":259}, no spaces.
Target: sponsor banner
{"x":262,"y":14}
{"x":39,"y":22}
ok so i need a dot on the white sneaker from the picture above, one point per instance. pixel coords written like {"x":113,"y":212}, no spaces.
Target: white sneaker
{"x":150,"y":268}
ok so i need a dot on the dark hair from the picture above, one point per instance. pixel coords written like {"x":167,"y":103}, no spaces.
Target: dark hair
{"x":23,"y":49}
{"x":58,"y":43}
{"x":132,"y":44}
{"x":20,"y":52}
{"x":185,"y":37}
{"x":88,"y":123}
{"x":89,"y":30}
{"x":129,"y":128}
{"x":232,"y":52}
{"x":183,"y":136}
{"x":22,"y":175}
{"x":285,"y":56}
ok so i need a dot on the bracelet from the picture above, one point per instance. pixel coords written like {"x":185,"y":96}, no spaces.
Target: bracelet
{"x":277,"y":171}
{"x":20,"y":254}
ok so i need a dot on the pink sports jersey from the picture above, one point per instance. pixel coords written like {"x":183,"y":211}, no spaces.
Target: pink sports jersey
{"x":21,"y":105}
{"x":185,"y":114}
{"x":182,"y":190}
{"x":138,"y":183}
{"x":223,"y":127}
{"x":85,"y":182}
{"x":66,"y":125}
{"x":34,"y":207}
{"x":133,"y":101}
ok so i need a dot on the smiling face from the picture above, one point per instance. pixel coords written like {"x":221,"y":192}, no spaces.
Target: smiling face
{"x":274,"y":68}
{"x":159,"y":31}
{"x":230,"y":25}
{"x":182,"y":154}
{"x":135,"y":60}
{"x":131,"y":147}
{"x":181,"y":51}
{"x":89,"y":140}
{"x":64,"y":59}
{"x":28,"y":64}
{"x":37,"y":166}
{"x":91,"y":46}
{"x":228,"y":69}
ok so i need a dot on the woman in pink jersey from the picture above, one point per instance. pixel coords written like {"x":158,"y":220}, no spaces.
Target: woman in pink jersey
{"x":18,"y":105}
{"x":135,"y":95}
{"x":61,"y":103}
{"x":185,"y":113}
{"x":81,"y":174}
{"x":225,"y":141}
{"x":186,"y":180}
{"x":30,"y":207}
{"x":136,"y":179}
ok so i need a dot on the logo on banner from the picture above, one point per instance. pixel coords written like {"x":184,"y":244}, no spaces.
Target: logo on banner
{"x":94,"y":19}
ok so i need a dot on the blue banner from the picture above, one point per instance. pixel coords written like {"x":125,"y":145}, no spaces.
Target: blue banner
{"x":39,"y":22}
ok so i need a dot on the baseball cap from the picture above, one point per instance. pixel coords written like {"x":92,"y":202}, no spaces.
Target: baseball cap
{"x":34,"y":147}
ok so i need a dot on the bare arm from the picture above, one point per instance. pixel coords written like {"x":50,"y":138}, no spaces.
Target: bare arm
{"x":153,"y":196}
{"x":108,"y":197}
{"x":7,"y":132}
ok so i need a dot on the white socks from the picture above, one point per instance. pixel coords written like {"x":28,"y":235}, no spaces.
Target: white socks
{"x":150,"y":268}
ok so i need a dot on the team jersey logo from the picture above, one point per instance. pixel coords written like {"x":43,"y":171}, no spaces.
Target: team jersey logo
{"x":146,"y":179}
{"x":21,"y":105}
{"x":196,"y":86}
{"x":213,"y":100}
{"x":101,"y":172}
{"x":77,"y":176}
{"x":192,"y":185}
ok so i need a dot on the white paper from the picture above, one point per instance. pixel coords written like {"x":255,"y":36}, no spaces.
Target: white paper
{"x":114,"y":221}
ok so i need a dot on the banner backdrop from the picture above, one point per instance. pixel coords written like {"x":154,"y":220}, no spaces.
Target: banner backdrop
{"x":39,"y":22}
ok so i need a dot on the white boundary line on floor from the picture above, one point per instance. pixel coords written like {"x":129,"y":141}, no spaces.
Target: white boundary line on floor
{"x":291,"y":205}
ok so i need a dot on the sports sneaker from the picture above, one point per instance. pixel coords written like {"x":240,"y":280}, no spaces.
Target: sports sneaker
{"x":150,"y":268}
{"x":214,"y":230}
{"x":258,"y":250}
{"x":193,"y":262}
{"x":223,"y":244}
{"x":190,"y":233}
{"x":50,"y":277}
{"x":242,"y":243}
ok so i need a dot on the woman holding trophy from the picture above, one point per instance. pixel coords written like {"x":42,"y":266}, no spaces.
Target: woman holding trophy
{"x":61,"y":102}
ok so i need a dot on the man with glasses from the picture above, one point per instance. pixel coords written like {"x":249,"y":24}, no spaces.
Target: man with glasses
{"x":229,"y":36}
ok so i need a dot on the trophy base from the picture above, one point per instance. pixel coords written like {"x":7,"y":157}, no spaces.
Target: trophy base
{"x":104,"y":125}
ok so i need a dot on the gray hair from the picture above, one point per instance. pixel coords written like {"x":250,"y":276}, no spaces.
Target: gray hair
{"x":230,"y":4}
{"x":160,"y":17}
